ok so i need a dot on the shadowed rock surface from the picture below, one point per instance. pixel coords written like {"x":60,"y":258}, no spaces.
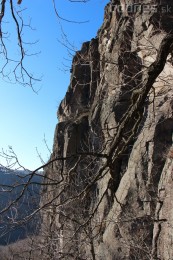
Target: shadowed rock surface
{"x":113,"y":194}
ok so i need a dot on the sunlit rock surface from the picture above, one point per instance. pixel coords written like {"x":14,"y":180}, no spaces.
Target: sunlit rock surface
{"x":131,"y":204}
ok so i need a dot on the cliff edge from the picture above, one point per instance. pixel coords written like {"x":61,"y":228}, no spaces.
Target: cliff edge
{"x":110,"y":174}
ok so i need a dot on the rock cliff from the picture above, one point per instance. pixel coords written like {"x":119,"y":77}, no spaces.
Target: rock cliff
{"x":110,"y":174}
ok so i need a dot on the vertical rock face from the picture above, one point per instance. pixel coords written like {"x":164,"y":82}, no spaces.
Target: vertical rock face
{"x":110,"y":180}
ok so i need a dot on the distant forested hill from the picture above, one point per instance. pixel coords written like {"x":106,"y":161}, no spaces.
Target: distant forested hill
{"x":12,"y":184}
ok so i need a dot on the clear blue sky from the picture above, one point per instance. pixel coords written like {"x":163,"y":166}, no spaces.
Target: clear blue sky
{"x":25,"y":116}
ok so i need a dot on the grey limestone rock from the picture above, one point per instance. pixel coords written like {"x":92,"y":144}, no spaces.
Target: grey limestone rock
{"x":125,"y":212}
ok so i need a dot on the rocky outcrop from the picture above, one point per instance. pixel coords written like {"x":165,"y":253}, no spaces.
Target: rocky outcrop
{"x":110,"y":172}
